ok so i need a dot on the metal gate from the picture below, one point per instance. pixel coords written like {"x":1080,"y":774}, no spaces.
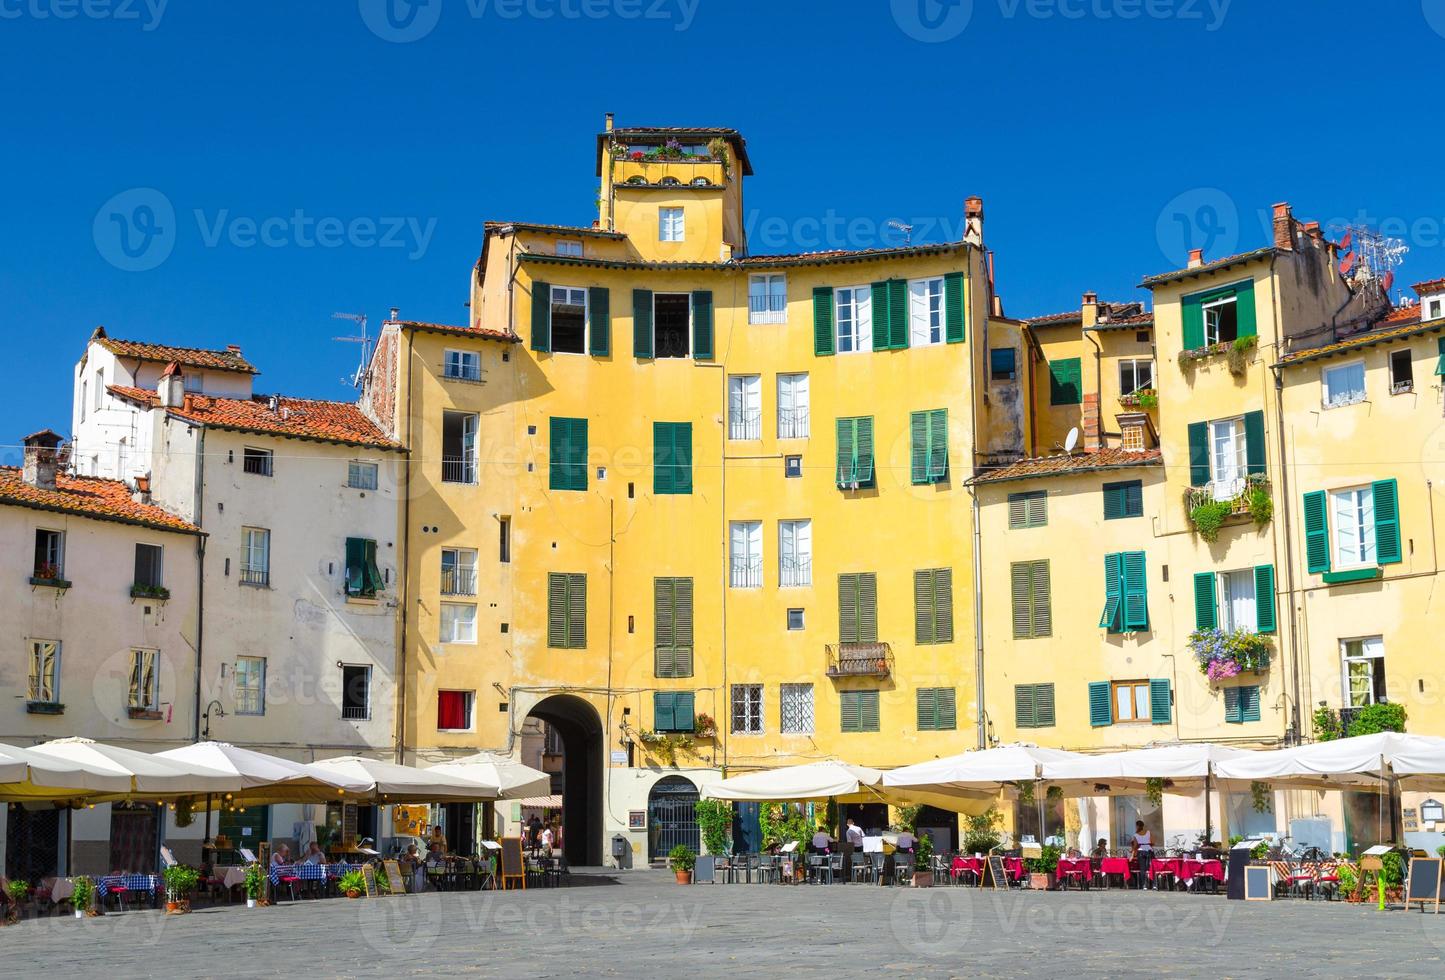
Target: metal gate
{"x":672,"y":817}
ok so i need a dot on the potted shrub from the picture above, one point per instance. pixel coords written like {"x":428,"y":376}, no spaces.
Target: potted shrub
{"x":1392,"y":878}
{"x":352,"y":884}
{"x":17,"y":892}
{"x":255,"y":884}
{"x":82,"y":895}
{"x":1350,"y":884}
{"x":180,"y":882}
{"x":682,"y":859}
{"x":923,"y":862}
{"x":1043,"y":870}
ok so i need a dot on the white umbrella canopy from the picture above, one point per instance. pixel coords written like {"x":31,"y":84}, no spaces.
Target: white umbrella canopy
{"x":268,"y":778}
{"x":1183,"y":768}
{"x":148,"y":775}
{"x":1359,"y":761}
{"x":25,"y":775}
{"x":1419,"y":762}
{"x":514,"y":780}
{"x":391,"y":783}
{"x":979,"y":771}
{"x":810,"y":781}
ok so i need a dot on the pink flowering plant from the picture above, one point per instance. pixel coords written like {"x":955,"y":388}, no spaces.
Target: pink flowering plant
{"x":1229,"y":653}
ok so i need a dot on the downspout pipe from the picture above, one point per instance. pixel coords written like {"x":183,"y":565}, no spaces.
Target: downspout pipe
{"x":200,"y":580}
{"x":401,"y":687}
{"x":978,"y":682}
{"x":1287,"y":528}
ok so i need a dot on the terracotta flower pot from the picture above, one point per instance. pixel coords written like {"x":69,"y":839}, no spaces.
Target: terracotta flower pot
{"x":683,"y":877}
{"x":172,"y":908}
{"x":923,"y":879}
{"x":353,"y":894}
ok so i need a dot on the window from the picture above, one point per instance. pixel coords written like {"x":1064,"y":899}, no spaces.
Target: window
{"x":672,"y":712}
{"x":99,"y":389}
{"x":504,"y":540}
{"x":462,"y":365}
{"x":84,"y":393}
{"x":745,"y":406}
{"x":792,"y":406}
{"x":1241,"y":704}
{"x":49,"y":554}
{"x":1365,"y":522}
{"x":459,"y":571}
{"x":1003,"y":364}
{"x":1131,"y":701}
{"x":1354,"y":521}
{"x":44,"y":686}
{"x":768,"y":298}
{"x":1034,"y":705}
{"x":1237,"y":603}
{"x":746,"y":553}
{"x":145,"y":681}
{"x":792,"y":467}
{"x":255,"y":556}
{"x":795,"y":702}
{"x":567,"y":611}
{"x":1221,"y":321}
{"x":1126,"y":599}
{"x":858,"y":608}
{"x":454,"y":711}
{"x":1032,"y":609}
{"x":670,"y":225}
{"x":361,"y":475}
{"x":1131,"y":437}
{"x":1124,"y":499}
{"x":1227,"y":457}
{"x":937,"y":711}
{"x":795,"y":620}
{"x":1066,"y":381}
{"x":928,"y":438}
{"x":858,"y":711}
{"x":1402,"y":372}
{"x":148,"y":573}
{"x":1435,"y":308}
{"x":250,"y":686}
{"x":570,"y":248}
{"x":854,"y":318}
{"x":355,"y":692}
{"x":569,"y":320}
{"x":1364,"y":665}
{"x":1344,"y":384}
{"x":672,"y":457}
{"x":1243,"y":599}
{"x":925,"y":312}
{"x":1115,"y":702}
{"x":672,"y":629}
{"x":256,"y":461}
{"x":1135,"y":375}
{"x":1028,"y":509}
{"x":458,"y":623}
{"x":747,"y":709}
{"x":567,"y":447}
{"x":933,"y":605}
{"x":672,"y":323}
{"x":363,"y":577}
{"x":795,"y":554}
{"x":855,"y":453}
{"x":459,"y":447}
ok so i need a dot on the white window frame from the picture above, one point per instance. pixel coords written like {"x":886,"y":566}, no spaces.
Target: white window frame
{"x":259,"y":453}
{"x":671,"y":225}
{"x":745,"y":551}
{"x":795,"y":554}
{"x":770,"y":304}
{"x":465,"y":465}
{"x":1397,"y":385}
{"x":926,"y":305}
{"x":802,"y":620}
{"x":1238,"y":604}
{"x":571,"y":247}
{"x":461,"y":365}
{"x":36,"y":675}
{"x":363,"y":466}
{"x":149,"y":697}
{"x":568,"y":296}
{"x":59,"y":549}
{"x":802,"y":694}
{"x":250,"y":697}
{"x":1372,"y":648}
{"x":1436,"y":309}
{"x":748,"y":705}
{"x":84,"y":397}
{"x":1131,"y":365}
{"x":256,"y":547}
{"x":99,"y":389}
{"x":858,"y":302}
{"x":453,"y":625}
{"x":1330,"y":397}
{"x":470,"y":703}
{"x":745,"y":407}
{"x":1357,"y":550}
{"x":1228,"y":457}
{"x":793,"y":405}
{"x":1211,"y":331}
{"x":461,"y":560}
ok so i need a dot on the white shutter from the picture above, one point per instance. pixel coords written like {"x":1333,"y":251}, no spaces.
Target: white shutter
{"x":863,"y":318}
{"x":918,"y":312}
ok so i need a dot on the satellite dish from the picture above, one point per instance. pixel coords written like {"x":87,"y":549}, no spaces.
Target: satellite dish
{"x":1071,"y":440}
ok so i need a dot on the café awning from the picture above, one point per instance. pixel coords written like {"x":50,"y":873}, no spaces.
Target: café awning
{"x":265,"y":778}
{"x":147,"y":776}
{"x":26,"y":776}
{"x":839,"y":781}
{"x":1183,"y":768}
{"x":985,"y":770}
{"x":392,"y":783}
{"x":514,"y":780}
{"x":1363,"y":761}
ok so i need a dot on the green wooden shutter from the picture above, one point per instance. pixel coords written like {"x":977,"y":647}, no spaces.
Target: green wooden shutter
{"x":1160,"y":705}
{"x":1113,"y":593}
{"x":683,"y":623}
{"x":1244,"y":309}
{"x":1101,"y":706}
{"x":953,"y":319}
{"x":1025,"y":709}
{"x":557,"y":610}
{"x":924,"y":615}
{"x":1044,"y":705}
{"x":1254,"y":443}
{"x":663,"y":703}
{"x":1198,"y":453}
{"x":897,"y":314}
{"x":1029,"y":509}
{"x":868,"y":711}
{"x":372,"y":580}
{"x":355,"y":562}
{"x":865,"y":451}
{"x":823,"y":320}
{"x":541,"y":316}
{"x":867,"y":607}
{"x":943,"y":603}
{"x":1317,"y":533}
{"x":577,"y":611}
{"x":664,"y":627}
{"x":1440,"y":362}
{"x":642,"y":323}
{"x":1066,"y":381}
{"x":1264,"y":599}
{"x":878,"y":310}
{"x":947,"y":702}
{"x":1021,"y":589}
{"x":927,"y":709}
{"x":938,"y":445}
{"x":1042,"y":602}
{"x":567,"y":464}
{"x":1206,"y":605}
{"x":702,"y":332}
{"x":847,"y":452}
{"x":1231,"y":706}
{"x":1136,"y":592}
{"x":1192,"y":310}
{"x":672,"y":457}
{"x":1123,"y":499}
{"x":847,"y":608}
{"x":1249,"y":703}
{"x":684,"y":711}
{"x":918,"y":446}
{"x":599,"y":311}
{"x":1387,"y":522}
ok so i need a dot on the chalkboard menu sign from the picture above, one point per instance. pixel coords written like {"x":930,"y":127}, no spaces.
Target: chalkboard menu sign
{"x":996,"y":871}
{"x":513,"y":867}
{"x":1424,"y":883}
{"x":1257,"y":883}
{"x":368,"y":875}
{"x":393,"y":877}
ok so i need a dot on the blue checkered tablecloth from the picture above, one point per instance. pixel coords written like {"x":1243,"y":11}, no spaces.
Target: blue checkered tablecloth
{"x":145,"y":884}
{"x":310,"y":872}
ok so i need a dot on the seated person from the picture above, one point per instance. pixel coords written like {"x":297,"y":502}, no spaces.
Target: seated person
{"x":906,"y":841}
{"x":1101,"y":849}
{"x":281,"y":856}
{"x":437,"y":843}
{"x":314,"y":854}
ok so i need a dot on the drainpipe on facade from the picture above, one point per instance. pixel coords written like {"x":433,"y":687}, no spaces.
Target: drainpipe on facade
{"x":978,"y":684}
{"x":401,"y":662}
{"x":200,"y":581}
{"x":1293,"y":716}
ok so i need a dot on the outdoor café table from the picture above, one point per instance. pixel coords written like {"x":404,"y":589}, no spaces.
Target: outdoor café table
{"x":1165,"y":866}
{"x":139,"y":884}
{"x":1190,"y":869}
{"x":1075,"y":866}
{"x":1014,"y":866}
{"x":230,"y":875}
{"x":1114,"y":866}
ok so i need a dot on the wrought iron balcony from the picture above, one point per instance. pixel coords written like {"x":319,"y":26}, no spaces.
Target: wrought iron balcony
{"x":860,"y":660}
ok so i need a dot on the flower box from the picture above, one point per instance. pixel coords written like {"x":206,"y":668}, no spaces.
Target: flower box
{"x":158,"y":592}
{"x":50,"y":583}
{"x":1222,"y":654}
{"x":44,"y":708}
{"x":143,"y":714}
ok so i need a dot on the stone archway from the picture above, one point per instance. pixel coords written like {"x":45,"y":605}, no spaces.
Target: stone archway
{"x":578,"y":725}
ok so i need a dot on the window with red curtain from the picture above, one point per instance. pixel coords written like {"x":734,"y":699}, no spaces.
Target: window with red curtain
{"x":452,"y":709}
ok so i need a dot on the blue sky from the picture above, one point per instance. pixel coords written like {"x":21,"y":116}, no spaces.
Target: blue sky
{"x":1105,"y":136}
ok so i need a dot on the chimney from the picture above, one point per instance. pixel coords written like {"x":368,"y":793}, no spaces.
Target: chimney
{"x":233,"y":349}
{"x":42,"y":459}
{"x":1089,"y":309}
{"x":973,"y":221}
{"x":1196,"y":257}
{"x":395,"y":316}
{"x":608,"y":122}
{"x":1089,"y":416}
{"x":1312,"y":229}
{"x":172,"y":387}
{"x":1283,"y":226}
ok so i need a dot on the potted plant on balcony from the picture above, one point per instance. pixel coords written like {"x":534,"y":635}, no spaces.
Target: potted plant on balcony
{"x":180,"y":883}
{"x":141,"y":590}
{"x":704,"y":727}
{"x":1043,"y":870}
{"x":923,"y":861}
{"x":48,"y":575}
{"x":1228,"y":653}
{"x":682,"y":859}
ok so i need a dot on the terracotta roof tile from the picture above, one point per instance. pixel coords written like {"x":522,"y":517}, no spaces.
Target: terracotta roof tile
{"x":1400,"y":323}
{"x":85,"y":496}
{"x":492,"y":227}
{"x":1429,"y":286}
{"x":482,"y":333}
{"x":1065,"y":465}
{"x":296,"y":418}
{"x":1208,"y":267}
{"x":218,"y":360}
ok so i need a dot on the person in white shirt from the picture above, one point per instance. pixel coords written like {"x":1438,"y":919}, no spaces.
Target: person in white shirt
{"x":1143,"y":846}
{"x":547,"y":840}
{"x":906,"y":841}
{"x":314,"y":854}
{"x":822,"y":840}
{"x":854,"y":834}
{"x":281,"y":856}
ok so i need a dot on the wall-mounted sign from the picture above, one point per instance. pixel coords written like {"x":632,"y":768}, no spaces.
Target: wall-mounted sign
{"x":619,"y":758}
{"x":1432,"y":810}
{"x":636,"y":819}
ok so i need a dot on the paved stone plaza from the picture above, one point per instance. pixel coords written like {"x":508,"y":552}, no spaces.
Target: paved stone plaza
{"x":641,"y":924}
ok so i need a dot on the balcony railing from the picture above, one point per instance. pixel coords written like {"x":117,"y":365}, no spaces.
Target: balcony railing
{"x":454,"y":371}
{"x":459,"y":469}
{"x":860,"y":660}
{"x":792,"y":423}
{"x":255,"y":576}
{"x":1236,"y":493}
{"x":745,"y":425}
{"x":794,"y":572}
{"x":459,"y":581}
{"x":747,"y":573}
{"x":354,"y":712}
{"x":767,"y":309}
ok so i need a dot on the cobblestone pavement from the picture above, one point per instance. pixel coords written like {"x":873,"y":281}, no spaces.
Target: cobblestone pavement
{"x":642,"y":924}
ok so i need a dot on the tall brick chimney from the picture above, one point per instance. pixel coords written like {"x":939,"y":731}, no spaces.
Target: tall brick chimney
{"x":973,"y":221}
{"x":42,"y":459}
{"x":1284,"y":226}
{"x":1196,"y":257}
{"x":1089,"y":309}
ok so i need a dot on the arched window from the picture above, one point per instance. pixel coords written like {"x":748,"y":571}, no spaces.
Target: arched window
{"x":639,"y":179}
{"x":670,"y":182}
{"x":700,"y":182}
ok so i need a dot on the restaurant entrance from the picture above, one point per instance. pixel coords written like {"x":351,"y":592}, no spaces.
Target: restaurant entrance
{"x":33,"y":843}
{"x":579,"y":727}
{"x":134,"y":843}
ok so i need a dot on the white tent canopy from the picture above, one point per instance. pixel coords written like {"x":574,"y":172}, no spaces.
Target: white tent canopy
{"x":1184,"y":768}
{"x":27,"y":775}
{"x":266,"y":778}
{"x":811,"y":781}
{"x":973,"y":772}
{"x":515,"y":780}
{"x":1360,"y":761}
{"x":391,"y":783}
{"x":147,"y":775}
{"x":1419,"y":762}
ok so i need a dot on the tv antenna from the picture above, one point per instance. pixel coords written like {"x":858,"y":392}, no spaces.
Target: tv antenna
{"x":1371,"y":257}
{"x":906,"y":229}
{"x":364,"y":340}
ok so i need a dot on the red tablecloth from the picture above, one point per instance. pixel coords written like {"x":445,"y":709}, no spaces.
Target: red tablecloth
{"x":1190,"y":869}
{"x":1164,"y":866}
{"x":1114,"y":866}
{"x":1080,"y":866}
{"x":1014,"y":866}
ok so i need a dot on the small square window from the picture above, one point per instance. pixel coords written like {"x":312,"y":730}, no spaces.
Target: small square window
{"x":571,"y":248}
{"x":795,"y":619}
{"x":361,"y":475}
{"x":792,"y":466}
{"x":257,"y":461}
